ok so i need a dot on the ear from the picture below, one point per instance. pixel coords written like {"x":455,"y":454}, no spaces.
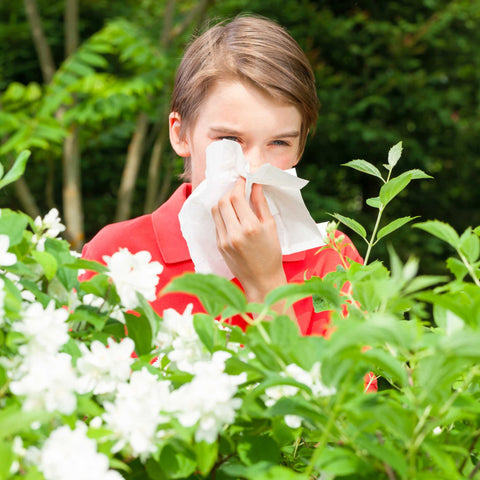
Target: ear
{"x":179,"y":144}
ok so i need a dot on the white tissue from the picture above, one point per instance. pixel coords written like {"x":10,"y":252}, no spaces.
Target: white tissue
{"x":296,"y":229}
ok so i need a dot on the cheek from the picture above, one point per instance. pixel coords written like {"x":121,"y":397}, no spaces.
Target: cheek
{"x":284,"y":161}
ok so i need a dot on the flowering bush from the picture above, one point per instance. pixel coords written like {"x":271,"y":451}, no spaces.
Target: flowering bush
{"x":202,"y":399}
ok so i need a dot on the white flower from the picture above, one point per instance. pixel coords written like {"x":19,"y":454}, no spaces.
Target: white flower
{"x":48,"y":382}
{"x":50,"y":225}
{"x":26,"y":294}
{"x":311,"y":379}
{"x":103,"y":368}
{"x":46,"y":329}
{"x":136,"y":413}
{"x":177,"y":333}
{"x":133,"y":273}
{"x":70,"y":455}
{"x":93,"y":301}
{"x":208,"y":400}
{"x":277,"y":392}
{"x":293,"y":421}
{"x":6,"y":258}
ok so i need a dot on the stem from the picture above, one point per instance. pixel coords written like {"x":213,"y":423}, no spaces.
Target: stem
{"x":475,"y":470}
{"x":371,"y":243}
{"x":388,"y":469}
{"x":470,"y":450}
{"x":331,"y":420}
{"x":470,"y":269}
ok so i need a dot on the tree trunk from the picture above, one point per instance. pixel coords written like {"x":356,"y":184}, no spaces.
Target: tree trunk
{"x":166,"y":183}
{"x":72,"y":197}
{"x":71,"y":27}
{"x":155,"y":167}
{"x":72,"y":182}
{"x":167,"y":23}
{"x":40,"y":43}
{"x":130,"y":171}
{"x":47,"y":67}
{"x":155,"y":197}
{"x":197,"y":12}
{"x":25,"y":198}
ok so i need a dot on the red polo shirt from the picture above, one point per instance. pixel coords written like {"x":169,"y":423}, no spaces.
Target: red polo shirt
{"x":160,"y":234}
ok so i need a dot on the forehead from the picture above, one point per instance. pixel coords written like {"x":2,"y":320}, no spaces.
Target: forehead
{"x":239,"y":102}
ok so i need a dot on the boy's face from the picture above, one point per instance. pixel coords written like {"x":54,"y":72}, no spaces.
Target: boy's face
{"x":267,"y":130}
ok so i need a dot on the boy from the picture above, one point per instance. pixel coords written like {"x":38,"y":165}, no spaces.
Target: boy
{"x":246,"y":81}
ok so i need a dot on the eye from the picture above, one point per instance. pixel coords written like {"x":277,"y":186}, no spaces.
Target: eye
{"x":235,"y":139}
{"x":282,"y":143}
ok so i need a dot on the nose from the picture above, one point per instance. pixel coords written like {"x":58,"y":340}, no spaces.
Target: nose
{"x":255,"y":157}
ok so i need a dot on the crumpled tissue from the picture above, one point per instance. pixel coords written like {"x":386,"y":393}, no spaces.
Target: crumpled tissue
{"x":296,"y":229}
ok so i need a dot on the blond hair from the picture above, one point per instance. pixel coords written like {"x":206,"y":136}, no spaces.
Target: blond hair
{"x":255,"y":50}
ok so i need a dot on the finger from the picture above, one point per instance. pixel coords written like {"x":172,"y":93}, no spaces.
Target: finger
{"x":220,"y":228}
{"x":240,"y":203}
{"x":259,"y":203}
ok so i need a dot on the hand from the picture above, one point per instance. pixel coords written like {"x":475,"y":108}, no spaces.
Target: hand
{"x":248,"y":241}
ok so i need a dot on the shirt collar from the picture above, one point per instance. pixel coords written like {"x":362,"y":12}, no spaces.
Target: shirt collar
{"x":168,"y":234}
{"x":166,"y":226}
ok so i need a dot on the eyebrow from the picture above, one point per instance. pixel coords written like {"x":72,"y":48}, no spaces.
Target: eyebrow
{"x":236,"y":133}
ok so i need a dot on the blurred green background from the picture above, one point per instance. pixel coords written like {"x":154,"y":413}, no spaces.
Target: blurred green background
{"x":85,"y":85}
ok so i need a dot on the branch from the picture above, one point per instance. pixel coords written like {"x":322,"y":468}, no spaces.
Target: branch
{"x":26,"y":198}
{"x":72,"y":39}
{"x":200,"y":10}
{"x":40,"y":43}
{"x":167,"y":24}
{"x":154,"y":169}
{"x":130,"y":171}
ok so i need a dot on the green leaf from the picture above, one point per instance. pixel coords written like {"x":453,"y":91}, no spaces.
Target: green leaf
{"x":205,"y":329}
{"x":339,"y":461}
{"x":81,"y":263}
{"x":423,"y":281}
{"x":374,"y":202}
{"x":394,"y":154}
{"x":89,"y":315}
{"x":392,"y":226}
{"x":6,"y":459}
{"x":215,"y":293}
{"x":441,"y":230}
{"x":365,"y":167}
{"x":14,"y":421}
{"x":457,"y":267}
{"x":17,"y":169}
{"x":140,"y":331}
{"x":176,"y":464}
{"x":101,"y":286}
{"x":206,"y":454}
{"x":391,"y":189}
{"x":13,"y":225}
{"x":152,"y":317}
{"x":353,"y":224}
{"x":385,"y":452}
{"x":300,"y":406}
{"x":279,"y":472}
{"x":388,"y":364}
{"x":296,"y":291}
{"x":252,"y":450}
{"x":416,"y":174}
{"x":47,"y":262}
{"x":470,"y":245}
